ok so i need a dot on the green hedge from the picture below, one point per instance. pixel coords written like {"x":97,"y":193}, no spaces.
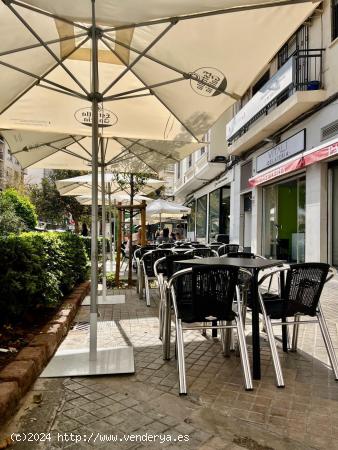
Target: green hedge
{"x":87,"y":240}
{"x":37,"y":269}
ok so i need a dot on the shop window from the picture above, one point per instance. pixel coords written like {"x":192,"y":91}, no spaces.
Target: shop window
{"x":214,"y":213}
{"x":334,"y":19}
{"x":191,"y":220}
{"x":201,"y":217}
{"x":225,"y":211}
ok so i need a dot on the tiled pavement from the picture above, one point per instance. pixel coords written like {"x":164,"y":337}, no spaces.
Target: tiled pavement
{"x":217,"y":413}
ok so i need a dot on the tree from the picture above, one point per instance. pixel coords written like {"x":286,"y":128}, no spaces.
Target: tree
{"x":51,"y":206}
{"x":21,"y":205}
{"x":10,"y":222}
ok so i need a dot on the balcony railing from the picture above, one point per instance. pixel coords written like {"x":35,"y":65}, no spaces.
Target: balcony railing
{"x":302,"y":72}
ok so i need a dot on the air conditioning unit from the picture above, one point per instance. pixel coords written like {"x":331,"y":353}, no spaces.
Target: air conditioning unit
{"x":219,"y":159}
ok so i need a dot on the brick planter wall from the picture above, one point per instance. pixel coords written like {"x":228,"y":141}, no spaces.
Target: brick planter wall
{"x":19,"y":375}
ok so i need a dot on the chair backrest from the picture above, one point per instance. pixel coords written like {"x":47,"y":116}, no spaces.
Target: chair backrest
{"x":171,"y":265}
{"x":204,"y":252}
{"x":206,"y":293}
{"x":151,"y":257}
{"x":241,"y":255}
{"x":215,"y":245}
{"x":183,"y":245}
{"x":222,"y":238}
{"x":303,"y":287}
{"x":147,"y":248}
{"x":197,"y":245}
{"x":166,"y":245}
{"x":227,"y":248}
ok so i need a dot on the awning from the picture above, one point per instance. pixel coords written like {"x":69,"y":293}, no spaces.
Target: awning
{"x":317,"y":154}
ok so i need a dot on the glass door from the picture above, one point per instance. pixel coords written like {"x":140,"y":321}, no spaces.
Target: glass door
{"x":335,"y":216}
{"x":270,"y":225}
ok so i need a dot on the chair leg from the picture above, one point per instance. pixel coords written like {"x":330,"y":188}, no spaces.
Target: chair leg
{"x":244,"y":354}
{"x":295,"y":333}
{"x":328,"y":342}
{"x":141,"y":284}
{"x":274,"y":352}
{"x":147,"y":290}
{"x":204,"y":330}
{"x":180,"y":358}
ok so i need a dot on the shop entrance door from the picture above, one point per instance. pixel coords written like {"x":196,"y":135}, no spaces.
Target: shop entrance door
{"x":284,"y":220}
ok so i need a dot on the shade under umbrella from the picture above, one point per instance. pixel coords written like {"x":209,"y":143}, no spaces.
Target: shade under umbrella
{"x":123,"y":198}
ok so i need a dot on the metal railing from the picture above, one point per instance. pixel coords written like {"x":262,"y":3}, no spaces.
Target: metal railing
{"x":307,"y":76}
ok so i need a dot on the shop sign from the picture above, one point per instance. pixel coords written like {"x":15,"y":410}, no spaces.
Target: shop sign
{"x":277,"y":83}
{"x":315,"y":155}
{"x":282,"y":151}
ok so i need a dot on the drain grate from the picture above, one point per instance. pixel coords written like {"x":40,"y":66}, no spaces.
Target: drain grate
{"x":81,"y":326}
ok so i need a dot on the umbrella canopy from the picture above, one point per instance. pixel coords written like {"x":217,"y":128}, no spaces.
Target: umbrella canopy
{"x":118,"y":197}
{"x":81,"y":185}
{"x":169,"y":209}
{"x":166,"y":70}
{"x":54,"y":151}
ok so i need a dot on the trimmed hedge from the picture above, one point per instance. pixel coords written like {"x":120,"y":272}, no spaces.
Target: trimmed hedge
{"x":37,"y":269}
{"x":87,"y":240}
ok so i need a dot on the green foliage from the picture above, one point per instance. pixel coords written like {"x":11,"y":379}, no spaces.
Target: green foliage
{"x":10,"y":222}
{"x":53,"y":207}
{"x":22,"y":207}
{"x":37,"y":269}
{"x":87,"y":241}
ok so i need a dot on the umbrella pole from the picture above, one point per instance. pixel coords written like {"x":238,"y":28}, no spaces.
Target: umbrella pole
{"x":110,"y":230}
{"x":95,"y":151}
{"x":103,"y":196}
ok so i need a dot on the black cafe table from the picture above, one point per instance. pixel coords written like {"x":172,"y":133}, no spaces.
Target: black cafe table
{"x":254,"y":265}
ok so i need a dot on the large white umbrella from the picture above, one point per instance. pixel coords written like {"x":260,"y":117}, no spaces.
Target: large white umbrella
{"x":155,"y":70}
{"x":81,"y":185}
{"x":119,"y":197}
{"x":58,"y":151}
{"x":162,"y":208}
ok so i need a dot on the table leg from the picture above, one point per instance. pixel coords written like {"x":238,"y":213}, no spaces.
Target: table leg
{"x":214,"y":330}
{"x":256,"y":351}
{"x":285,"y":334}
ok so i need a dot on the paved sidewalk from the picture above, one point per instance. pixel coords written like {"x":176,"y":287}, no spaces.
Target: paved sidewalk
{"x":217,"y":413}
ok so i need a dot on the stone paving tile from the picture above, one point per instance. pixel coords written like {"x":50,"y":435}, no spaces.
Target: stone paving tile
{"x":217,"y":413}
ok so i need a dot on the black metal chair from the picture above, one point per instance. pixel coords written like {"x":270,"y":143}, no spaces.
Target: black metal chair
{"x":228,"y":248}
{"x":137,"y":255}
{"x":164,"y":268}
{"x":204,"y":252}
{"x":216,"y":245}
{"x":166,"y":245}
{"x":203,"y":295}
{"x":300,"y":297}
{"x":147,"y":261}
{"x":222,"y":238}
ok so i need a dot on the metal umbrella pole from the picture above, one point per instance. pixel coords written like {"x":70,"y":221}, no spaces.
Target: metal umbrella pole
{"x":110,"y":230}
{"x":103,"y":195}
{"x":95,"y":151}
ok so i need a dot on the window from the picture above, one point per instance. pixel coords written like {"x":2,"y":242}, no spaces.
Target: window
{"x":191,"y":219}
{"x":334,"y":19}
{"x":225,"y":211}
{"x":214,"y":212}
{"x":179,"y":170}
{"x":190,"y":160}
{"x":201,"y":217}
{"x":260,"y":83}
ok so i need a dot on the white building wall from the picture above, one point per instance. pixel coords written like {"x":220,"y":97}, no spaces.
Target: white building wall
{"x":316,"y":213}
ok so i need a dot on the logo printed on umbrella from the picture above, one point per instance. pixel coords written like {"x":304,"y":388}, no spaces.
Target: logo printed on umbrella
{"x":213,"y":77}
{"x":106,"y":118}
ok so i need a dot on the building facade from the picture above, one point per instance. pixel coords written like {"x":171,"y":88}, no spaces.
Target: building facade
{"x":11,"y":174}
{"x":282,"y":138}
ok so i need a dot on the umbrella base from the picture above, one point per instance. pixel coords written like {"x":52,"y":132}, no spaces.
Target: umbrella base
{"x":107,"y":300}
{"x":109,"y":361}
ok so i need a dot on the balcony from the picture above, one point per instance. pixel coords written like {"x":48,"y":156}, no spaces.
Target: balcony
{"x":294,"y":89}
{"x":196,"y":176}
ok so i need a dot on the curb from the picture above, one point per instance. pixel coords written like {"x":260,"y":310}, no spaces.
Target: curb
{"x":19,"y":375}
